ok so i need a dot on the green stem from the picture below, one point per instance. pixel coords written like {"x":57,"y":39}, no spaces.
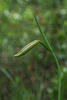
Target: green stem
{"x":50,"y":49}
{"x":44,"y":46}
{"x":59,"y":73}
{"x":59,"y":70}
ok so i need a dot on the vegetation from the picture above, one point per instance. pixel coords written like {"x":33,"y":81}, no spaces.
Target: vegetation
{"x":33,"y":76}
{"x":47,"y":45}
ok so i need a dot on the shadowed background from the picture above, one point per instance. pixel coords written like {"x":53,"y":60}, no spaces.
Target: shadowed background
{"x":35,"y":73}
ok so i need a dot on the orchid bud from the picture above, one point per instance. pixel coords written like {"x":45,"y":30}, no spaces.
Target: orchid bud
{"x":27,"y":48}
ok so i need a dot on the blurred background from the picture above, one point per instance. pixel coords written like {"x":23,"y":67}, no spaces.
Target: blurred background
{"x":34,"y":75}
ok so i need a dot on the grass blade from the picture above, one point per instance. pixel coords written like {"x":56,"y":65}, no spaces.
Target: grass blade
{"x":51,"y":50}
{"x":41,"y":32}
{"x":8,"y":76}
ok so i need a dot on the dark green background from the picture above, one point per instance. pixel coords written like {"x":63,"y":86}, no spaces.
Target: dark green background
{"x":35,"y":73}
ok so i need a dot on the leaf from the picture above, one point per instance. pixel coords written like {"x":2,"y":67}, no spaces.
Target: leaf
{"x":27,"y":48}
{"x":8,"y":75}
{"x":42,"y":33}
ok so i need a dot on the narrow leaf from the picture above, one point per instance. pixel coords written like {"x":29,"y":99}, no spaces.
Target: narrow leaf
{"x":42,"y":33}
{"x":8,"y":75}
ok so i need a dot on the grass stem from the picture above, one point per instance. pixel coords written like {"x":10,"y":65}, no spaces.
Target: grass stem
{"x":51,"y":50}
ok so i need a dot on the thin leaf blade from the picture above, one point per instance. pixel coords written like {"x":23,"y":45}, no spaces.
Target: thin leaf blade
{"x":42,"y":33}
{"x":5,"y":72}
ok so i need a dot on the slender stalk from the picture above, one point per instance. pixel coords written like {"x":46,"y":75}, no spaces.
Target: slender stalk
{"x":50,"y":48}
{"x":44,"y":46}
{"x":59,"y":73}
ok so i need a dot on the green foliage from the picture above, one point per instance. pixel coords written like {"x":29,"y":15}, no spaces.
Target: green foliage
{"x":32,"y":44}
{"x":17,"y":28}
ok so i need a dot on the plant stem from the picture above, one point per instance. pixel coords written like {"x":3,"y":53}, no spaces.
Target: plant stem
{"x":59,"y":70}
{"x":51,"y":50}
{"x":59,"y":73}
